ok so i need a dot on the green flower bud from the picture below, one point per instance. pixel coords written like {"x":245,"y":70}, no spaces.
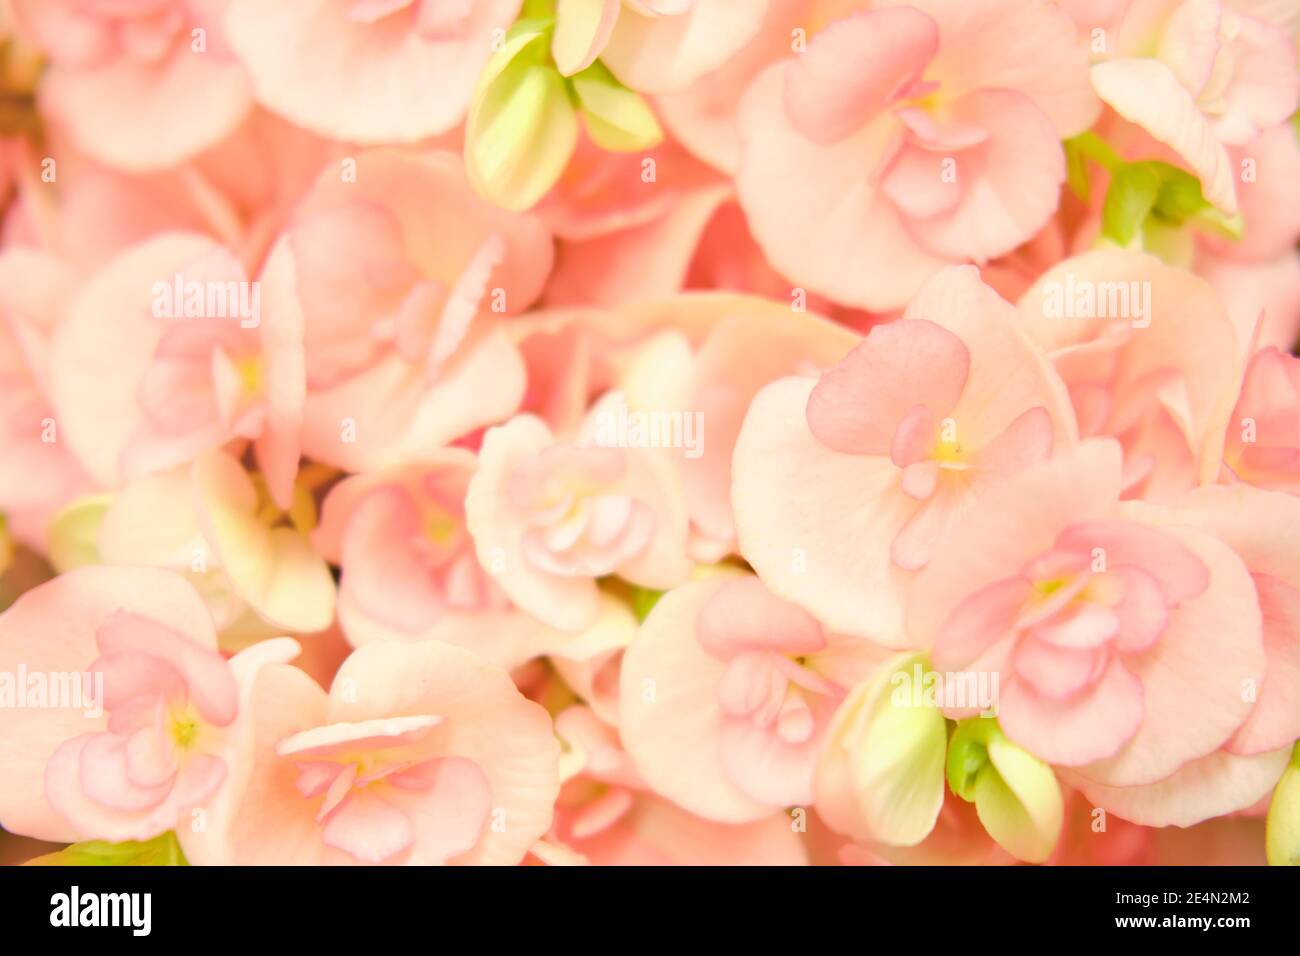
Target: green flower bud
{"x":1016,"y":795}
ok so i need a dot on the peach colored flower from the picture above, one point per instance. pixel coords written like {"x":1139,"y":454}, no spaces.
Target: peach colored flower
{"x":727,"y":693}
{"x":142,"y":85}
{"x":420,"y":754}
{"x":907,"y":137}
{"x":399,"y":279}
{"x":550,"y":517}
{"x":1148,"y":353}
{"x":1122,"y":642}
{"x":153,"y":733}
{"x":844,"y":486}
{"x":185,"y":361}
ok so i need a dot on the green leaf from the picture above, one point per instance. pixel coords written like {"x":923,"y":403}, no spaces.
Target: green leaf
{"x":164,"y":850}
{"x":1076,"y":170}
{"x":1180,"y":195}
{"x":1093,"y":147}
{"x":617,"y":118}
{"x":643,"y":601}
{"x":1130,"y":199}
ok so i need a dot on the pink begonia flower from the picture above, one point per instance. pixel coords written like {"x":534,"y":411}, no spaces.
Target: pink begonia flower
{"x":1124,"y":647}
{"x":209,"y":520}
{"x":409,"y":571}
{"x":702,"y":117}
{"x":549,"y":517}
{"x":399,"y":538}
{"x":1147,"y":351}
{"x":843,"y":486}
{"x":1199,"y":76}
{"x":368,"y":71}
{"x":398,"y":274}
{"x":38,"y":475}
{"x":909,"y":137}
{"x":1256,"y":524}
{"x":150,"y":730}
{"x":607,"y":816}
{"x":170,"y":350}
{"x":654,"y":46}
{"x":142,"y":85}
{"x":420,"y":754}
{"x":1263,"y":435}
{"x":710,"y":356}
{"x":726,"y":695}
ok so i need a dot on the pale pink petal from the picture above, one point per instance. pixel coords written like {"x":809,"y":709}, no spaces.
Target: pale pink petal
{"x":742,"y":615}
{"x":670,"y":719}
{"x":208,"y":680}
{"x":1040,"y":58}
{"x":449,"y":803}
{"x":664,"y":54}
{"x":1089,"y":726}
{"x":857,"y":405}
{"x":1213,"y":786}
{"x":149,"y":116}
{"x":1009,"y":184}
{"x":368,"y":827}
{"x":855,"y":68}
{"x":818,"y":212}
{"x":348,"y":79}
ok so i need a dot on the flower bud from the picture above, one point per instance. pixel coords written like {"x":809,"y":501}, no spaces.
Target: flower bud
{"x":880,"y":776}
{"x":1282,"y":831}
{"x":1016,"y":795}
{"x":522,"y":127}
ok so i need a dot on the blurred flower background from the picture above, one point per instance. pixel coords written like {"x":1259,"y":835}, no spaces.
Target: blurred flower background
{"x":766,"y":432}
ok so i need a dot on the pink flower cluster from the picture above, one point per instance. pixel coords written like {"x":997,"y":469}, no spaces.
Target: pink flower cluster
{"x":674,"y":431}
